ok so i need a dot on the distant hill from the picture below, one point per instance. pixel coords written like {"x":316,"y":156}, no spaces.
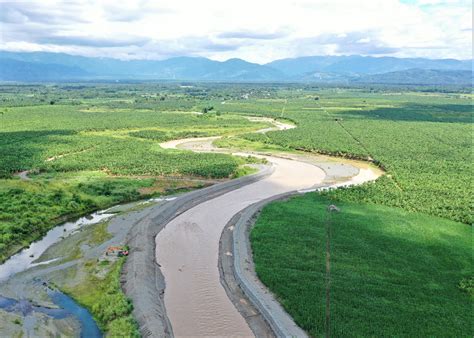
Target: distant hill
{"x":14,"y":70}
{"x":189,"y":68}
{"x":356,"y":64}
{"x":179,"y":68}
{"x":41,"y":66}
{"x":421,"y":77}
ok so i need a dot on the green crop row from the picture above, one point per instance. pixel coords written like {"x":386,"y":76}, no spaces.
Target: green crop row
{"x":53,"y":141}
{"x":423,"y":141}
{"x":388,"y":268}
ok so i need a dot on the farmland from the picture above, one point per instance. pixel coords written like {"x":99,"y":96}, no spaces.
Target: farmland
{"x":82,"y":156}
{"x":65,"y":135}
{"x":422,"y":140}
{"x":400,"y":246}
{"x":389,"y":268}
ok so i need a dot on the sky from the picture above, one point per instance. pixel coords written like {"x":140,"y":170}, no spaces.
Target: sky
{"x":255,"y":30}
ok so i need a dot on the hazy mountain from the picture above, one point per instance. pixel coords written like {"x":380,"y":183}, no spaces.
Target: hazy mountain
{"x":305,"y":65}
{"x":14,"y":70}
{"x":193,"y":68}
{"x":40,"y":66}
{"x":421,"y":77}
{"x":179,"y":68}
{"x":325,"y":77}
{"x":357,"y":64}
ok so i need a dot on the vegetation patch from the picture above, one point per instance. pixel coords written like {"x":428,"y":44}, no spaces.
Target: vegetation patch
{"x":106,"y":301}
{"x":422,"y":140}
{"x":29,"y":209}
{"x":79,"y":157}
{"x":161,"y":136}
{"x":388,"y":268}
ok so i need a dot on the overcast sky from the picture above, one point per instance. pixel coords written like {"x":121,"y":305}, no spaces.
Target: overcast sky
{"x":254,"y":30}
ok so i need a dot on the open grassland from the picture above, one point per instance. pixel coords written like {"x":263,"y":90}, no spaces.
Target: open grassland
{"x":423,"y":140}
{"x":80,"y":157}
{"x":393,"y":273}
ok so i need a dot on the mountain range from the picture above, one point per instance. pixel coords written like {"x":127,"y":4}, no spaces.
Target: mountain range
{"x":43,"y":66}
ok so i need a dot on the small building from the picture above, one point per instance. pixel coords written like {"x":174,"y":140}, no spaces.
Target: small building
{"x":116,"y":251}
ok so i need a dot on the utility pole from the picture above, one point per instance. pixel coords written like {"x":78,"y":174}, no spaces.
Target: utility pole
{"x":331,"y":208}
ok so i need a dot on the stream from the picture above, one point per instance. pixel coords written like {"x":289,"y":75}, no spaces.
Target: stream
{"x":187,"y":248}
{"x":25,"y":259}
{"x":26,"y":304}
{"x":89,"y":328}
{"x":67,"y":307}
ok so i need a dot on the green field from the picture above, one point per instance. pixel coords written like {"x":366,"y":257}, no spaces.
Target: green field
{"x":401,"y":247}
{"x":423,"y":140}
{"x":393,"y":273}
{"x":83,"y":155}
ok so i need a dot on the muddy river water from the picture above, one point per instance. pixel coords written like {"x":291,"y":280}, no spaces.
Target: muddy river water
{"x":187,"y":248}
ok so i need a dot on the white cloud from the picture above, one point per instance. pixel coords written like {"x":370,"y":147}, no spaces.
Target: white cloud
{"x":255,"y":30}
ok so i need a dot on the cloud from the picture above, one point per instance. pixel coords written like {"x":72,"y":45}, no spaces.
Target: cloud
{"x":258,"y":31}
{"x":190,"y":46}
{"x":100,"y":42}
{"x":365,"y":43}
{"x":10,"y":15}
{"x":36,"y":13}
{"x":252,"y":35}
{"x":134,"y":11}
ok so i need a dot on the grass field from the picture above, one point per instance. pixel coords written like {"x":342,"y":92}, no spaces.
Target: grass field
{"x":393,"y":273}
